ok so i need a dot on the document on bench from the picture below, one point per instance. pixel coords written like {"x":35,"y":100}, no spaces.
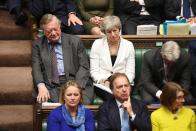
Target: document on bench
{"x":146,"y":30}
{"x":103,"y":87}
{"x":45,"y":104}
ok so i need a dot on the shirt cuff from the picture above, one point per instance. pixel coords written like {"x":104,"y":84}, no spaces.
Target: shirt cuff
{"x":72,"y":13}
{"x":158,"y":93}
{"x":133,"y":116}
{"x":40,"y":85}
{"x":141,"y":2}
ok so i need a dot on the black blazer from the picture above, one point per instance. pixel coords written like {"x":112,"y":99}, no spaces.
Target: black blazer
{"x":172,"y":8}
{"x":109,"y":116}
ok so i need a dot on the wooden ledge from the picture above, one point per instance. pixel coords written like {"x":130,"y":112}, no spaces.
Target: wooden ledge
{"x":41,"y":112}
{"x":94,"y":108}
{"x":145,"y":37}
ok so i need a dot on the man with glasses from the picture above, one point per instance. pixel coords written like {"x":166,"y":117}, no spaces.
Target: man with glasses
{"x":56,"y":58}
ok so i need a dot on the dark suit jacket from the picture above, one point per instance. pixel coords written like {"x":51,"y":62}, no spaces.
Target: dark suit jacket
{"x":126,"y":9}
{"x":59,"y":8}
{"x":173,"y":8}
{"x":109,"y":116}
{"x":153,"y":74}
{"x":192,"y":51}
{"x":76,"y":64}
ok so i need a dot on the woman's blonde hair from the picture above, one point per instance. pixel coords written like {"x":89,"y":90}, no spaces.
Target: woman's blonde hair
{"x":110,"y":22}
{"x":66,"y":85}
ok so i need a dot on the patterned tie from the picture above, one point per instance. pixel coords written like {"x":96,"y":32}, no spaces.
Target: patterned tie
{"x":55,"y":74}
{"x":125,"y":121}
{"x":186,"y":9}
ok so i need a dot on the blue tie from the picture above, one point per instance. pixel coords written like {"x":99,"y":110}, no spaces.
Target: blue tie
{"x":125,"y":121}
{"x":186,"y":9}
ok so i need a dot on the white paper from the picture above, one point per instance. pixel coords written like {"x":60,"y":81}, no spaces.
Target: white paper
{"x":103,"y":87}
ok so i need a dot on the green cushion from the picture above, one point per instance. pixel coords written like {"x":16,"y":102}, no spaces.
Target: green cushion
{"x":44,"y":125}
{"x":139,"y":52}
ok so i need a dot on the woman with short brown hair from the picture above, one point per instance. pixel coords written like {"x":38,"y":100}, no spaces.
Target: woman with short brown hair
{"x":172,"y":115}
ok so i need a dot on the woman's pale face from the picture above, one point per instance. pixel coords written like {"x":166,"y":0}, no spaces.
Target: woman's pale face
{"x":178,"y":103}
{"x":113,"y":35}
{"x":72,"y":97}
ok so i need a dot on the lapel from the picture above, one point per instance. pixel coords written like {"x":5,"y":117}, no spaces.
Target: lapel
{"x":115,"y":115}
{"x":46,"y":57}
{"x":159,"y":66}
{"x":119,"y":54}
{"x":179,"y":3}
{"x":67,"y":54}
{"x":174,"y":69}
{"x":106,"y":52}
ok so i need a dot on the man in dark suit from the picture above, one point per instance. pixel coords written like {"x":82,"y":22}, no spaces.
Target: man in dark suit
{"x":122,"y":113}
{"x":56,"y":58}
{"x":161,"y":65}
{"x":138,"y":12}
{"x":174,"y":8}
{"x":192,"y":51}
{"x":65,"y":10}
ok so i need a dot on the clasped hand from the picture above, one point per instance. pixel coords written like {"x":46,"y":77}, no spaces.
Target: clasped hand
{"x":73,"y":19}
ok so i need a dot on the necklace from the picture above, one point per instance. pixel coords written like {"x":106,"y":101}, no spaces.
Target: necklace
{"x":113,"y":48}
{"x":175,"y":114}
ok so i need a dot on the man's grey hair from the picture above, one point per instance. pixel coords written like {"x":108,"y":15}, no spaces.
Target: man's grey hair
{"x":110,"y":22}
{"x":48,"y":18}
{"x":170,"y":51}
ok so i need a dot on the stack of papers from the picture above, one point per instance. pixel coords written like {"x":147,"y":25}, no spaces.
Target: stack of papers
{"x":193,"y":29}
{"x":146,"y":30}
{"x":178,"y":29}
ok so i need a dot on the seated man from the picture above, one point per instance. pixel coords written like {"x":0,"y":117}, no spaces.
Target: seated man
{"x":122,"y":113}
{"x":138,"y":12}
{"x":161,"y":65}
{"x":192,"y":51}
{"x":15,"y":8}
{"x":56,"y":58}
{"x":65,"y":10}
{"x":174,"y":8}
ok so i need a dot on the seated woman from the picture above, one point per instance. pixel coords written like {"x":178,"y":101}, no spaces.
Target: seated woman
{"x":109,"y":55}
{"x":173,"y":116}
{"x":71,"y":115}
{"x":92,"y":12}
